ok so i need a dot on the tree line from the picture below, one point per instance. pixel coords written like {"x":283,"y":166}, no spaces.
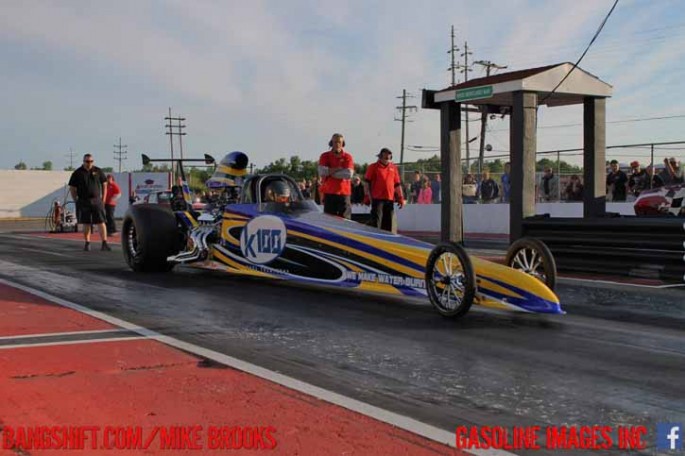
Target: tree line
{"x":300,"y":169}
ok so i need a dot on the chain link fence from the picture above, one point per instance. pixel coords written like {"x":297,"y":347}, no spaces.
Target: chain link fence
{"x":652,"y":155}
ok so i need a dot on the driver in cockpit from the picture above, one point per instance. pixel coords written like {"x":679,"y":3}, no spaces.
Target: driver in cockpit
{"x":277,"y":192}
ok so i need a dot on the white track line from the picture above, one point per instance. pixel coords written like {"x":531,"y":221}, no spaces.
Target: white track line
{"x":58,"y":334}
{"x":609,"y":282}
{"x":403,"y":422}
{"x":43,"y":251}
{"x":71,"y":342}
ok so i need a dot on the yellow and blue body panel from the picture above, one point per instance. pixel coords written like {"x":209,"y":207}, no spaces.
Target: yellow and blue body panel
{"x":299,"y":243}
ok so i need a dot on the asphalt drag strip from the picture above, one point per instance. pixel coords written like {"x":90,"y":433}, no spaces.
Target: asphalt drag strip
{"x":616,"y":358}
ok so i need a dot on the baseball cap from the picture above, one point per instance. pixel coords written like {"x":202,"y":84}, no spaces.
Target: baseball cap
{"x":634,"y":164}
{"x":384,"y":150}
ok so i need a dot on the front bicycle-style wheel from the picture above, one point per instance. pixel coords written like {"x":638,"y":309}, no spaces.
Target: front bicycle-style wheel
{"x":450,"y":280}
{"x":533,"y":257}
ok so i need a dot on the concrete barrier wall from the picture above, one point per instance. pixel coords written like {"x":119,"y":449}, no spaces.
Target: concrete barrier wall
{"x":486,"y":218}
{"x":27,"y":193}
{"x":30,"y":194}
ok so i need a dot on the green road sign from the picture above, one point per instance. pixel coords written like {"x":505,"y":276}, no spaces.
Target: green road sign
{"x":473,"y":93}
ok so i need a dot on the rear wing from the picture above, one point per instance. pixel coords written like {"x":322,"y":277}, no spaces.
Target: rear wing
{"x":177,"y":170}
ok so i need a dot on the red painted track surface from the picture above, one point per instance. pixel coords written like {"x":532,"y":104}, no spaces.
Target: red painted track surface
{"x":145,"y":383}
{"x":22,"y":313}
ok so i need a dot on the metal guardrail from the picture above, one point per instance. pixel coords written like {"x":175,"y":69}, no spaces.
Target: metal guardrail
{"x":632,"y":246}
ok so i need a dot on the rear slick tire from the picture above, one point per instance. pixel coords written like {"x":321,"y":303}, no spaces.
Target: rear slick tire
{"x":149,"y":236}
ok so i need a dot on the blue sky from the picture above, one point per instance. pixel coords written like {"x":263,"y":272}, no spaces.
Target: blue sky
{"x":276,"y":78}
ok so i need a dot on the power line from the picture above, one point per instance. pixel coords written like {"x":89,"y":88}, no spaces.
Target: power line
{"x":575,"y":65}
{"x":636,"y":119}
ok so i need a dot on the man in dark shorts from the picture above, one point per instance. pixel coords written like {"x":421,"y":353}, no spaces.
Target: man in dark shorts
{"x":382,"y":184}
{"x":88,"y":187}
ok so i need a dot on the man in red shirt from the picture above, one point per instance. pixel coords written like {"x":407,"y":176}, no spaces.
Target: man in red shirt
{"x":382,"y":182}
{"x":113,"y":194}
{"x":336,"y":168}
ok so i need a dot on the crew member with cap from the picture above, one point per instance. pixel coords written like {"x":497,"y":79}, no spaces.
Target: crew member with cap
{"x":382,"y":183}
{"x":336,"y":168}
{"x":638,"y":180}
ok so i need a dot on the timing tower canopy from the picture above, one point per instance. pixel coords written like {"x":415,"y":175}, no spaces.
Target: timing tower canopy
{"x":496,"y":91}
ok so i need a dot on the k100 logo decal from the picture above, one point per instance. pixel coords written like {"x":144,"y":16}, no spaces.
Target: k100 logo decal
{"x":263,"y":239}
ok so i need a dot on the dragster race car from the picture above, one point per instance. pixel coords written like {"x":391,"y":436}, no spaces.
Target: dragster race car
{"x":266,"y":229}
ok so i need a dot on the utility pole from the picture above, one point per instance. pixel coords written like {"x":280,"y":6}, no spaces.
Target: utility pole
{"x":180,"y":133}
{"x":71,"y":159}
{"x":120,"y":155}
{"x":403,"y":118}
{"x":465,"y":69}
{"x":453,"y":67}
{"x":484,"y":115}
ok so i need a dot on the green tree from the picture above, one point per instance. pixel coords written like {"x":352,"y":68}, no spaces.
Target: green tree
{"x":47,"y":165}
{"x":278,"y":166}
{"x":21,"y":165}
{"x":565,"y":167}
{"x":69,"y":168}
{"x":107,"y":169}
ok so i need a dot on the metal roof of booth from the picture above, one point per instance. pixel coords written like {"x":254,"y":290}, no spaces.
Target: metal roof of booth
{"x":497,"y":90}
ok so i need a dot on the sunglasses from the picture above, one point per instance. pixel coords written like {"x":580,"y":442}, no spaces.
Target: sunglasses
{"x":88,"y":161}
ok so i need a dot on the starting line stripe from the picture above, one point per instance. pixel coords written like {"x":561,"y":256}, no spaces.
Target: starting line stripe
{"x":59,"y":334}
{"x":403,"y":422}
{"x":70,"y":342}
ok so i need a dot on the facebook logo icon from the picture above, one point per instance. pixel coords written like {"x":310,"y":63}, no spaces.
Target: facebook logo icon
{"x":669,"y":436}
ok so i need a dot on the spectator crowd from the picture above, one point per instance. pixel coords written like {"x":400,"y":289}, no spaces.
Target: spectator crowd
{"x":425,"y":188}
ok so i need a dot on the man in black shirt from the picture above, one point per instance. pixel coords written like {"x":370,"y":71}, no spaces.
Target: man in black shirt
{"x":616,"y":182}
{"x":88,"y":187}
{"x":488,"y":190}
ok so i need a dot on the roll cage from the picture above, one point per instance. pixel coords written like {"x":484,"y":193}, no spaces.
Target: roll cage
{"x":254,"y":188}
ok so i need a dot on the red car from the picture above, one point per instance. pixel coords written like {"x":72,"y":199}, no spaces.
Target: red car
{"x":667,"y":200}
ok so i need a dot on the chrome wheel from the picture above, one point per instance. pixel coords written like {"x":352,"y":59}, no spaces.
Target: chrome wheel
{"x":450,"y":280}
{"x":534,"y":258}
{"x":131,"y":240}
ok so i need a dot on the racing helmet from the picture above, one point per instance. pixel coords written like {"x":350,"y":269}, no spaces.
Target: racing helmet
{"x":277,"y":192}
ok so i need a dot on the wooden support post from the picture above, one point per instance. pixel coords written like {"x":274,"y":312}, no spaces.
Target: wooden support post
{"x":594,"y":157}
{"x":523,"y":145}
{"x":450,"y":159}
